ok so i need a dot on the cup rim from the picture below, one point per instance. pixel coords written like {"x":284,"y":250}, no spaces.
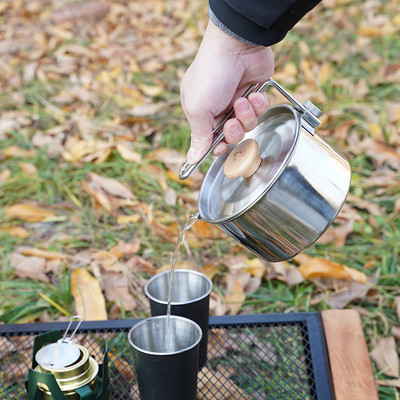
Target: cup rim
{"x":177,"y":303}
{"x":143,"y":321}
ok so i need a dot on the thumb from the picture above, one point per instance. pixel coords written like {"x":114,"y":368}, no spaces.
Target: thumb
{"x":201,"y":137}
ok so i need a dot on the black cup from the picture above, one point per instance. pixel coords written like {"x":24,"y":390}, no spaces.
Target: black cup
{"x":166,"y":351}
{"x":190,"y":298}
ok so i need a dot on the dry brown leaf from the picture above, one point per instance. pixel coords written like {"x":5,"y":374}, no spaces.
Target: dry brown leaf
{"x":4,"y":175}
{"x":89,"y":299}
{"x":217,"y":305}
{"x":29,"y":213}
{"x":285,"y":272}
{"x":81,"y":10}
{"x":318,"y":267}
{"x":397,"y":302}
{"x":117,"y":290}
{"x":28,"y":168}
{"x":341,"y":298}
{"x":14,"y":231}
{"x":381,"y":154}
{"x":385,"y":356}
{"x":86,"y":151}
{"x":14,"y":151}
{"x":127,"y":153}
{"x":122,"y":249}
{"x":46,"y":254}
{"x":396,"y":332}
{"x":29,"y":267}
{"x":389,"y":382}
{"x":111,"y":186}
{"x":99,"y":196}
{"x":235,"y":295}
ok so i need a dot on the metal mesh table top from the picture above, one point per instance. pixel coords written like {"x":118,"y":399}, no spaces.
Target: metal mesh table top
{"x":257,"y":357}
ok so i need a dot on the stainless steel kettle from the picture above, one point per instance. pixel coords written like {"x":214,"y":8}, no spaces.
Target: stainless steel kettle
{"x":278,"y":190}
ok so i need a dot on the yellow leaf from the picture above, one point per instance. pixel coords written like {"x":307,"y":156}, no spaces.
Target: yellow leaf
{"x":127,"y":154}
{"x":209,"y":270}
{"x":89,"y":299}
{"x":28,"y":168}
{"x":319,"y":267}
{"x":376,"y":131}
{"x":14,"y":231}
{"x":324,"y":73}
{"x":235,"y":295}
{"x":305,"y":67}
{"x":4,"y":175}
{"x":28,"y":212}
{"x":14,"y":151}
{"x":48,"y":255}
{"x":151,"y":91}
{"x":203,"y":230}
{"x":128,"y":219}
{"x":174,"y":177}
{"x":255,"y":267}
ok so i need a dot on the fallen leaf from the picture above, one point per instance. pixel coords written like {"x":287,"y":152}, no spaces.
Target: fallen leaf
{"x":111,"y":186}
{"x":255,"y":267}
{"x":122,"y":249}
{"x":397,"y":302}
{"x":380,"y":153}
{"x":128,"y":154}
{"x":117,"y":290}
{"x":235,"y":295}
{"x":29,"y":267}
{"x":385,"y":356}
{"x":14,"y":151}
{"x":4,"y":175}
{"x":389,"y":382}
{"x":341,"y":298}
{"x":89,"y":299}
{"x":28,"y":168}
{"x":14,"y":231}
{"x":28,"y":212}
{"x":396,"y":332}
{"x":319,"y":267}
{"x":46,"y":254}
{"x":128,"y":219}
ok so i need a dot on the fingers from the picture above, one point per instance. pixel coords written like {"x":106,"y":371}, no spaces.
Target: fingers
{"x":246,"y":111}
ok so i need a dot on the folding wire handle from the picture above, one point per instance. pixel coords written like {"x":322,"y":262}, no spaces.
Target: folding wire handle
{"x":66,"y":339}
{"x":309,"y":111}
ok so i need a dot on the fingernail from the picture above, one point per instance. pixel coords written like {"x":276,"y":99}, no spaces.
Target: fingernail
{"x":235,"y":128}
{"x":242,"y":107}
{"x":192,"y":155}
{"x":256,"y":101}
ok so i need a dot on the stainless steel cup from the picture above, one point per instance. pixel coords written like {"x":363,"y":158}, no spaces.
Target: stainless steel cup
{"x":166,"y":351}
{"x":190,"y":298}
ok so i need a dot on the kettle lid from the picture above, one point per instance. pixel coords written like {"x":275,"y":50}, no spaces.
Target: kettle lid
{"x":223,"y":198}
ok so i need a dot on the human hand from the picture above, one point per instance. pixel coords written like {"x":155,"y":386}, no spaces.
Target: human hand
{"x":220,"y":73}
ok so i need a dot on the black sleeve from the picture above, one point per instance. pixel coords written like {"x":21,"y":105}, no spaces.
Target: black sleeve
{"x":263,"y":22}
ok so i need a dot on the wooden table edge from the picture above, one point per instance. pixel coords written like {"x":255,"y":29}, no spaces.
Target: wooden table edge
{"x":350,"y":364}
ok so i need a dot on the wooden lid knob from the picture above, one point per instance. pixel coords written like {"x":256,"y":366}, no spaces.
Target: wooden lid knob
{"x":243,"y":160}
